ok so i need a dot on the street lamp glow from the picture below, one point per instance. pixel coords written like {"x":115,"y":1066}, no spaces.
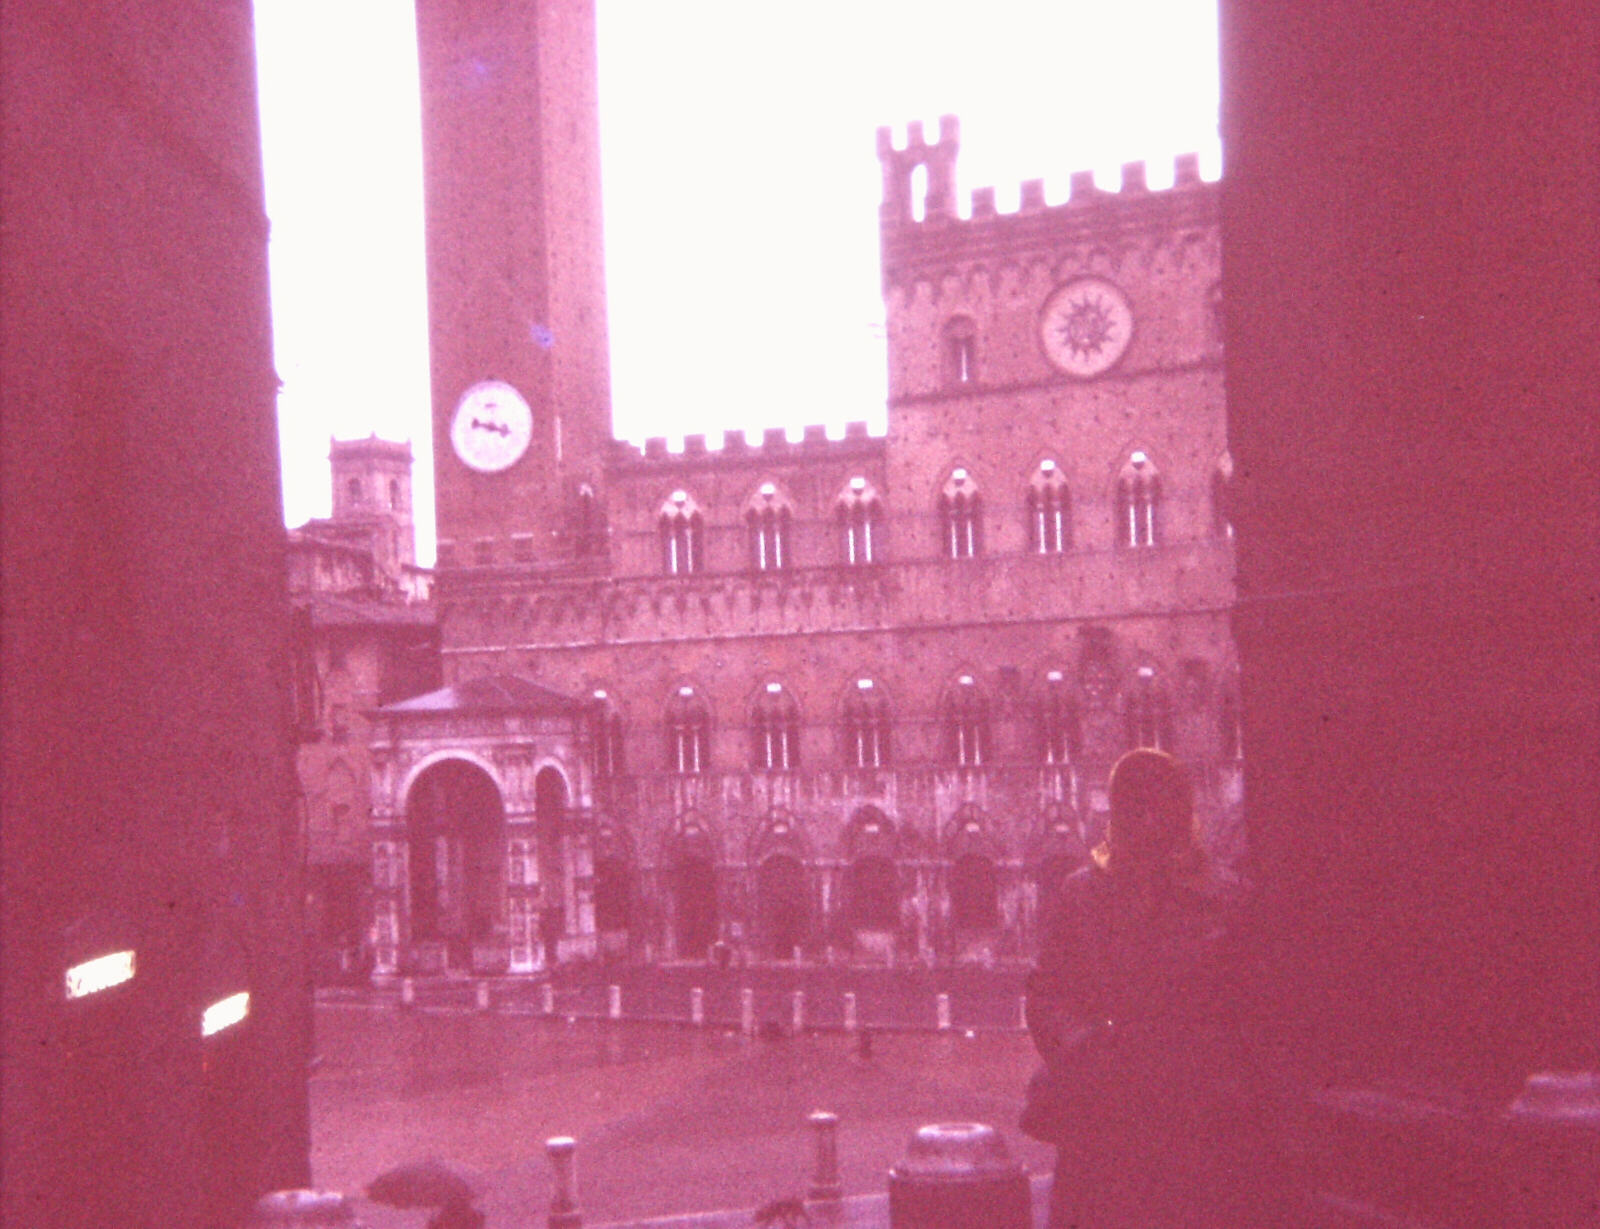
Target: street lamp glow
{"x":225,"y":1013}
{"x":101,"y":973}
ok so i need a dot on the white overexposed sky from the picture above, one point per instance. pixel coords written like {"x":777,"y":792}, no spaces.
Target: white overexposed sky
{"x":740,"y":188}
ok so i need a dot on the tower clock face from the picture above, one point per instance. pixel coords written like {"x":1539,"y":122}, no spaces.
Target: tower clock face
{"x":1085,"y":327}
{"x":492,"y":427}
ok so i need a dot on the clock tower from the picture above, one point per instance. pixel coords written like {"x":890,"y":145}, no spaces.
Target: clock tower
{"x":516,"y":291}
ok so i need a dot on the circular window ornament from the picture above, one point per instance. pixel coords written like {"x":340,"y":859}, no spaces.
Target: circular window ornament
{"x":1085,"y":327}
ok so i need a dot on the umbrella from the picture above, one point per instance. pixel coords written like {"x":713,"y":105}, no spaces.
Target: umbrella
{"x":420,"y":1184}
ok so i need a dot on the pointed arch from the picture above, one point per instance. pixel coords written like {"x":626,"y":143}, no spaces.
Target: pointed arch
{"x":682,"y":530}
{"x":769,"y":519}
{"x":960,"y":516}
{"x":1138,"y":502}
{"x":859,"y":512}
{"x":1049,"y":509}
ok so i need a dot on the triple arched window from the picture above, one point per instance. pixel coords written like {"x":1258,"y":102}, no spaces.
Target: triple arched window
{"x":1058,"y":719}
{"x":966,"y":724}
{"x":960,"y":516}
{"x":1138,"y":501}
{"x":682,"y":535}
{"x":1148,"y":712}
{"x":866,"y":726}
{"x":1049,"y":511}
{"x":860,"y":515}
{"x":607,"y":751}
{"x":768,"y":519}
{"x":688,"y":727}
{"x":775,"y":729}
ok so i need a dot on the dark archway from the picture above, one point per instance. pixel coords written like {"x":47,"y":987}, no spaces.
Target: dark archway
{"x":550,"y":824}
{"x":872,"y":893}
{"x":455,"y":823}
{"x":613,"y":894}
{"x":784,"y":913}
{"x":974,"y":894}
{"x":694,"y":898}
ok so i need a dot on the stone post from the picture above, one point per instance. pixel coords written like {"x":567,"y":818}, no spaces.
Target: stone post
{"x":547,"y":998}
{"x":1022,"y":1012}
{"x":747,"y":1011}
{"x":959,"y":1175}
{"x":798,"y":1012}
{"x":408,"y":992}
{"x":564,"y":1213}
{"x":614,"y":1002}
{"x":825,"y":1182}
{"x":850,"y":1011}
{"x":483,"y":996}
{"x":943,"y":1011}
{"x":697,"y":1005}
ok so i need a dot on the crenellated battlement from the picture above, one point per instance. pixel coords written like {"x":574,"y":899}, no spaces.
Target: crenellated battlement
{"x":940,"y":237}
{"x":775,"y":445}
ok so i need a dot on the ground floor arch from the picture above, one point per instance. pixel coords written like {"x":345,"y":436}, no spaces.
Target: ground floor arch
{"x":693,"y":884}
{"x":974,"y":894}
{"x":783,"y":905}
{"x":456,"y":837}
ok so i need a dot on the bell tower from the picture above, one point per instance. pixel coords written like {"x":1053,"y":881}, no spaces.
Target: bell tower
{"x":516,"y":290}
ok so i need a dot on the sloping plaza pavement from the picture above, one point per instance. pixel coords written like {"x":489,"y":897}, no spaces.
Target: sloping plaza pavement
{"x":669,"y":1119}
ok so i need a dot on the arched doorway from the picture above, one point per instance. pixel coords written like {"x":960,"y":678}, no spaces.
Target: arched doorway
{"x":694,"y":900}
{"x":872,"y":893}
{"x":455,"y":824}
{"x":974,"y":894}
{"x":784,"y":912}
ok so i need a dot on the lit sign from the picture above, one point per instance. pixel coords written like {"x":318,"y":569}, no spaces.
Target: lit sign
{"x":101,"y":973}
{"x":224,"y":1013}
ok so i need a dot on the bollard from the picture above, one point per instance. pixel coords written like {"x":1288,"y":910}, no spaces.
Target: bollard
{"x":408,"y":992}
{"x":302,"y":1209}
{"x":825,"y":1182}
{"x":564,"y":1213}
{"x":547,"y":998}
{"x":697,"y":1005}
{"x":850,"y":1011}
{"x":747,"y":1011}
{"x":958,"y":1175}
{"x":614,"y":1002}
{"x":797,"y":1013}
{"x":483,"y":996}
{"x":943,"y":1010}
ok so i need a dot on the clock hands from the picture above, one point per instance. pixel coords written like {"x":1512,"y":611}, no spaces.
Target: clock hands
{"x":499,"y":428}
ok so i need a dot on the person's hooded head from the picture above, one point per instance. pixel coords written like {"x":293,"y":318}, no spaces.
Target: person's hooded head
{"x":1152,"y":832}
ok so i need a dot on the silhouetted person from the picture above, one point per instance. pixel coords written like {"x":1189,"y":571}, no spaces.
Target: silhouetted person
{"x":1139,"y":1090}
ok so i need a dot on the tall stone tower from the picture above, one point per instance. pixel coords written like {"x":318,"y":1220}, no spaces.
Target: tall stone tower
{"x":372,"y":485}
{"x":516,"y":293}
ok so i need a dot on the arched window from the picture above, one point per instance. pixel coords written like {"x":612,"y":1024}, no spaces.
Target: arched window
{"x":866,"y":726}
{"x":860,"y":516}
{"x":1230,"y":726}
{"x":775,"y":730}
{"x":589,"y":530}
{"x":394,"y":493}
{"x":352,"y":490}
{"x":608,"y":747}
{"x":768,"y":517}
{"x":1058,"y":719}
{"x":1138,"y":500}
{"x":1049,"y":510}
{"x":688,"y":732}
{"x":966,"y":724}
{"x":1222,"y":498}
{"x":1149,"y":712}
{"x":959,"y":351}
{"x":682,"y":535}
{"x":961,"y":516}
